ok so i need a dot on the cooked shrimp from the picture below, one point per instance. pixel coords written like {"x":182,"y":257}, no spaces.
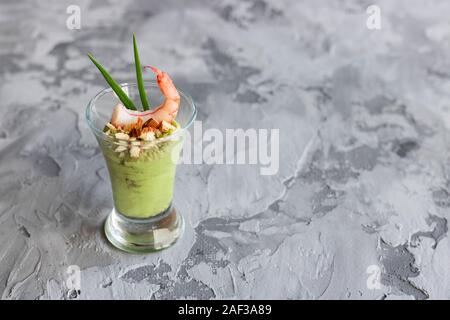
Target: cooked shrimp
{"x":167,"y":111}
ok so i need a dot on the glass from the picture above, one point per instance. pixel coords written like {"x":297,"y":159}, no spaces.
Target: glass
{"x":143,"y":218}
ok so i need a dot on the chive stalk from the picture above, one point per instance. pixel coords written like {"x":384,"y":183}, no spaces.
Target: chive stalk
{"x":140,"y":82}
{"x":114,"y":85}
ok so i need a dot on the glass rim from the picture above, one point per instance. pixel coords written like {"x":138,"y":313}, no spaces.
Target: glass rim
{"x":149,"y":83}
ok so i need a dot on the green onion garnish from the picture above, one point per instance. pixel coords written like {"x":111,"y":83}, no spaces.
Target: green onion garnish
{"x":114,"y":85}
{"x":140,"y":82}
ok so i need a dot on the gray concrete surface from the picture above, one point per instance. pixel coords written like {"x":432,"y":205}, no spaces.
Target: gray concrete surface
{"x":362,"y":193}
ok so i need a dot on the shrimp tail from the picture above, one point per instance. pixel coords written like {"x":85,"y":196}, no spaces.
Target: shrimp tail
{"x":165,"y":84}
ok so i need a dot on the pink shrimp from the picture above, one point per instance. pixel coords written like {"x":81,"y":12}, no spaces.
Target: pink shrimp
{"x":167,"y":111}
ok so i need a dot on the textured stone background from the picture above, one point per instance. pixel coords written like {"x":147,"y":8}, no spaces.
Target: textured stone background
{"x":363,"y":183}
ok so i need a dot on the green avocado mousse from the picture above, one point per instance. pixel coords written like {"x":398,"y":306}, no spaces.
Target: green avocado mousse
{"x":142,"y":170}
{"x":140,"y":129}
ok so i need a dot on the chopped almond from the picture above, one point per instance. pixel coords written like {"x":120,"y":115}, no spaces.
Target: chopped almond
{"x":134,"y":132}
{"x":148,"y":129}
{"x":134,"y":151}
{"x":151,"y":123}
{"x":166,"y":127}
{"x":122,"y":136}
{"x":147,"y":136}
{"x":120,"y":149}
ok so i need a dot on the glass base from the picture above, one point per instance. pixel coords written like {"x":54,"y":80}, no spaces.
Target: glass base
{"x":144,"y":235}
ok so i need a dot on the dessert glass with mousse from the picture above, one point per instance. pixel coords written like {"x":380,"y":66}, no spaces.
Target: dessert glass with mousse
{"x":141,"y":145}
{"x":141,"y":158}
